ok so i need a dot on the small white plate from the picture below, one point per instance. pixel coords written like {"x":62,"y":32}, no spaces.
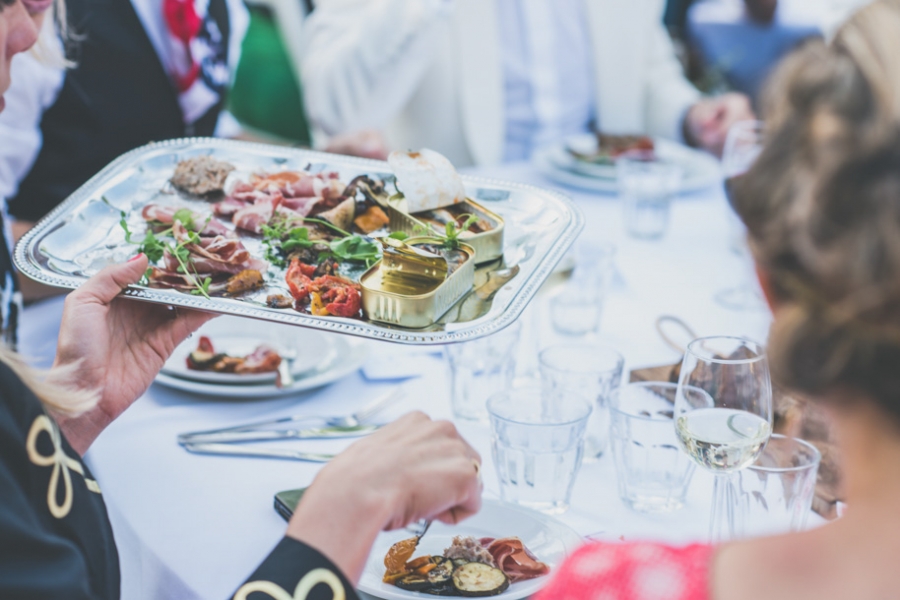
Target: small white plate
{"x":349,"y":356}
{"x":701,"y":170}
{"x":239,"y":337}
{"x":550,"y":540}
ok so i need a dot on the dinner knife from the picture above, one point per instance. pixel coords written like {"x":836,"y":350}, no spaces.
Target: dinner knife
{"x":284,"y":453}
{"x":256,"y":435}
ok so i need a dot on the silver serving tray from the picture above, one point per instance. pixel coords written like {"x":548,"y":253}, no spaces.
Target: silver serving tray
{"x":82,"y":235}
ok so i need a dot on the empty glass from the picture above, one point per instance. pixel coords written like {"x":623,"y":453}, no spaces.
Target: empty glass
{"x":537,"y":445}
{"x":585,"y":371}
{"x":576,"y":309}
{"x":775,"y":493}
{"x":646,"y":188}
{"x":479,"y":369}
{"x":652,"y":471}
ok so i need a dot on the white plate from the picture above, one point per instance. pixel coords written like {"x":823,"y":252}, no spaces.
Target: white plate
{"x":550,"y":540}
{"x":349,"y":355}
{"x":701,"y":170}
{"x":239,"y":337}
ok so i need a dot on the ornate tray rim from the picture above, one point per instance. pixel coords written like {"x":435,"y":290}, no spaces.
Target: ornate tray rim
{"x":495,"y":320}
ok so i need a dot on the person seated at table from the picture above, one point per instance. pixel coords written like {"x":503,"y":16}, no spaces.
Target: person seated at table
{"x":486,"y":81}
{"x":55,"y":536}
{"x":822,"y":206}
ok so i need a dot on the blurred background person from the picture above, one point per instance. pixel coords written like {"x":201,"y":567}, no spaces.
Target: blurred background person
{"x":486,"y":81}
{"x":734,"y":45}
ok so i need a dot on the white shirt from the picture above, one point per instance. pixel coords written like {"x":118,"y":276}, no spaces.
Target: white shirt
{"x":547,"y":71}
{"x":35,"y":87}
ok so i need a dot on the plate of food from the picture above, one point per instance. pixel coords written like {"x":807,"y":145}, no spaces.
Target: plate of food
{"x":588,"y":161}
{"x":234,"y":351}
{"x":302,"y":238}
{"x":505,"y":551}
{"x":342,"y":357}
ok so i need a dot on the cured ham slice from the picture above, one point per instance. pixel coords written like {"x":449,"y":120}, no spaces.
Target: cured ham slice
{"x":166,"y":214}
{"x":514,"y":559}
{"x":229,"y":206}
{"x":264,"y":359}
{"x":301,"y":205}
{"x":213,"y":255}
{"x":253,"y":217}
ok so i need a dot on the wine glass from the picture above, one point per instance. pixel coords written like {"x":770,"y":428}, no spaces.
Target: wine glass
{"x":723,"y":416}
{"x":742,"y":147}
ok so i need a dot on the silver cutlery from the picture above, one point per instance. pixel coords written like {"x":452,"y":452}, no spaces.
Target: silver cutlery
{"x":339,"y":426}
{"x":284,"y":377}
{"x":232,"y":450}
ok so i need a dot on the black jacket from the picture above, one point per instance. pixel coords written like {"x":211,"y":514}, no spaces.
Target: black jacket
{"x":55,"y":537}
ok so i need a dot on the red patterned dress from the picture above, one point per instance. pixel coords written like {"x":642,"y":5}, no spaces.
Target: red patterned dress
{"x":640,"y":571}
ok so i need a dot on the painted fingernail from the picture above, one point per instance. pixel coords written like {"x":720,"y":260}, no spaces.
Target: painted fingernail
{"x":135,"y":257}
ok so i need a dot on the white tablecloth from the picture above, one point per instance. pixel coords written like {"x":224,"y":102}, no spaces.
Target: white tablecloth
{"x":190,"y":526}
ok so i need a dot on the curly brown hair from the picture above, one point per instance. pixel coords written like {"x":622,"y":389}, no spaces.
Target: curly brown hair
{"x":822,"y":208}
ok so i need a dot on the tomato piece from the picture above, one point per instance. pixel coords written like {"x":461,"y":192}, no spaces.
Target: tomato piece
{"x":341,"y":297}
{"x":298,"y":279}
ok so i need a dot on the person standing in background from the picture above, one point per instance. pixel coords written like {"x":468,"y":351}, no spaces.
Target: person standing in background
{"x":487,"y":81}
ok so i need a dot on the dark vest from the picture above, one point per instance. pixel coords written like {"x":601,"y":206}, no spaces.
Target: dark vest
{"x":117,"y":98}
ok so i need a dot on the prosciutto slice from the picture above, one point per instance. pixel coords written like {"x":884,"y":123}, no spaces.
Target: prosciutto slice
{"x":166,"y":214}
{"x":253,"y":217}
{"x":214,"y":255}
{"x":264,"y":359}
{"x":514,"y":559}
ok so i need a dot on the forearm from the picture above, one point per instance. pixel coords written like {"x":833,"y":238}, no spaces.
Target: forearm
{"x":365,"y":58}
{"x":342,"y":526}
{"x":670,"y":95}
{"x":81,"y":431}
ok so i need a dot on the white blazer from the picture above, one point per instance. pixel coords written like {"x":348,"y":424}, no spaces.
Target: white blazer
{"x":428,"y":72}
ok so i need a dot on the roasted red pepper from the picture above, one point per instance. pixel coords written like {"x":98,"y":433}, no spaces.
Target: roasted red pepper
{"x":298,"y":278}
{"x":341,"y":297}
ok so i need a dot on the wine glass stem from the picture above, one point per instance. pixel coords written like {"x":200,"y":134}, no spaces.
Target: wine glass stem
{"x":722,"y":520}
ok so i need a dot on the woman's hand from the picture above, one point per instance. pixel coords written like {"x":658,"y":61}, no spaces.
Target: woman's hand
{"x":118,"y":345}
{"x":412,"y":469}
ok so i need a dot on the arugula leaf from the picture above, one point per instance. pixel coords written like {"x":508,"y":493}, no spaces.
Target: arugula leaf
{"x":356,"y":248}
{"x":297,"y":238}
{"x":186,"y":217}
{"x":399,"y":235}
{"x":451,"y":240}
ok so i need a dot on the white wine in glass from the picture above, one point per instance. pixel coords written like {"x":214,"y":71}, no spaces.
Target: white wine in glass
{"x":723,"y":416}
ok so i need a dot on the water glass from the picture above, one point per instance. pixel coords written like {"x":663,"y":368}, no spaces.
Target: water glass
{"x":652,"y":471}
{"x":577,"y":308}
{"x":537,"y":445}
{"x":647,"y":188}
{"x":590,"y":371}
{"x":479,"y":369}
{"x":775,"y":493}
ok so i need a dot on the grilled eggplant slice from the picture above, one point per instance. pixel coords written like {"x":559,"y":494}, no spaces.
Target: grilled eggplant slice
{"x":413,"y":583}
{"x":442,"y":572}
{"x":478,"y":579}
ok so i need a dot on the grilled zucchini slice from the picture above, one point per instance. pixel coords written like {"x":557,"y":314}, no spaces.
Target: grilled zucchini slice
{"x":478,"y":579}
{"x":413,"y":583}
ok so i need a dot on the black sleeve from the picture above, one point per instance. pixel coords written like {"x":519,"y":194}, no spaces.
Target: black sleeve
{"x":287,"y":566}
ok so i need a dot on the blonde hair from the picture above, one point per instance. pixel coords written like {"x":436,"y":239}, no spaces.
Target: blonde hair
{"x":55,"y":38}
{"x":52,"y":387}
{"x":822,"y":207}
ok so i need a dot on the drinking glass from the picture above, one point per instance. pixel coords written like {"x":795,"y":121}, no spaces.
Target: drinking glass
{"x":742,"y":147}
{"x":479,"y":369}
{"x":537,"y":445}
{"x":775,"y":493}
{"x":652,"y":472}
{"x":577,"y":308}
{"x":589,"y":371}
{"x":646,"y":188}
{"x":725,"y":429}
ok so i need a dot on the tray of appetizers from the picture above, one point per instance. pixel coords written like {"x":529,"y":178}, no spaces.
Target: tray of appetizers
{"x":406,"y":250}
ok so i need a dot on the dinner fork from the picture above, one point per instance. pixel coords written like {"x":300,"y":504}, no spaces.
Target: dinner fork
{"x":256,"y":431}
